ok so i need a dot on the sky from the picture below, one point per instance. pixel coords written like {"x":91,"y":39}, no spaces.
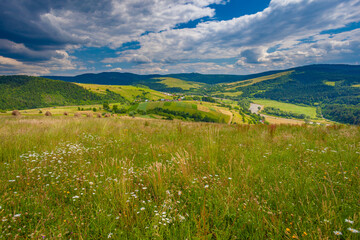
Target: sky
{"x":71,"y":37}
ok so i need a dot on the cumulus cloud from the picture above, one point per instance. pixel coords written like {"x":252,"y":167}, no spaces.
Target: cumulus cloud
{"x":42,"y":33}
{"x":249,"y":37}
{"x":35,"y":30}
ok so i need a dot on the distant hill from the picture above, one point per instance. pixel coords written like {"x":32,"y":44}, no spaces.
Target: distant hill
{"x":24,"y":92}
{"x":116,"y":78}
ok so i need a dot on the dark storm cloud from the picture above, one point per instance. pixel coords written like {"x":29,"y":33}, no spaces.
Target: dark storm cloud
{"x":21,"y":23}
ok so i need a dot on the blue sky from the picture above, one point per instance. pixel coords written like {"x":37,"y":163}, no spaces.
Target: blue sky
{"x":70,"y":37}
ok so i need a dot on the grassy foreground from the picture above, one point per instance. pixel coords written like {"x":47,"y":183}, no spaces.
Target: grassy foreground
{"x":83,"y":178}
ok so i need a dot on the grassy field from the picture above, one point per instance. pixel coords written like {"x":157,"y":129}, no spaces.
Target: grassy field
{"x":288,"y":107}
{"x":60,"y":110}
{"x":63,"y":178}
{"x":178,"y":83}
{"x":130,"y":93}
{"x":330,"y":83}
{"x":192,"y":107}
{"x":249,"y":82}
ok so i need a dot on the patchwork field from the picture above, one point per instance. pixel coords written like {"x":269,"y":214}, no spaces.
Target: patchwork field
{"x":192,"y":107}
{"x":130,"y":93}
{"x":234,"y":85}
{"x":178,"y":83}
{"x":330,"y":83}
{"x":63,"y":178}
{"x":288,"y":107}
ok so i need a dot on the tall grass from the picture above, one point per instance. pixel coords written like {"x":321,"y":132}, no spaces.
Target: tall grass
{"x":90,"y":178}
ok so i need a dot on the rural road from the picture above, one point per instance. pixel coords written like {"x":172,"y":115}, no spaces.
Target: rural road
{"x":254,"y":108}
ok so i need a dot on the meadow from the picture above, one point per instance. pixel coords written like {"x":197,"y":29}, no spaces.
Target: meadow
{"x":178,"y":83}
{"x":234,"y":85}
{"x":192,"y":107}
{"x":130,"y":93}
{"x":288,"y":107}
{"x":122,"y":178}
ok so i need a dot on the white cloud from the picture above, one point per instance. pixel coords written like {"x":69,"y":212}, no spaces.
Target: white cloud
{"x":62,"y":26}
{"x":248,"y":37}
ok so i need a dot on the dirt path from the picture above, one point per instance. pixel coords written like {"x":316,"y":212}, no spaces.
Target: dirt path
{"x":231,"y":118}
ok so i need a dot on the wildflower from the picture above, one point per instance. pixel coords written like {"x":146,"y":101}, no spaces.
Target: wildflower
{"x":110,"y":235}
{"x":206,"y":186}
{"x":144,"y":188}
{"x":11,"y":180}
{"x":142,"y":209}
{"x":76,"y":197}
{"x":337,"y":233}
{"x":17,"y":215}
{"x":353,"y":230}
{"x":288,"y":230}
{"x":349,"y":221}
{"x":230,"y":178}
{"x":179,"y":193}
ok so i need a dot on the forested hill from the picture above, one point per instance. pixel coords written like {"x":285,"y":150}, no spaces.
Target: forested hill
{"x":24,"y":92}
{"x":116,"y":78}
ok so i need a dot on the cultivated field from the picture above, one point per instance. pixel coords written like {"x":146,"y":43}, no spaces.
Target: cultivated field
{"x":178,"y":83}
{"x":249,"y":82}
{"x":192,"y":107}
{"x":288,"y":107}
{"x":130,"y":93}
{"x":88,"y":178}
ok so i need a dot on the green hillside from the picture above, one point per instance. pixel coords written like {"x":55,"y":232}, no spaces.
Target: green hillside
{"x":130,"y":93}
{"x":25,"y":92}
{"x":185,"y":110}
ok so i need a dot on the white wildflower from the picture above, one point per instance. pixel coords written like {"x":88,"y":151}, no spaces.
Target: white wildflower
{"x":337,"y":233}
{"x":353,"y":230}
{"x":349,"y":221}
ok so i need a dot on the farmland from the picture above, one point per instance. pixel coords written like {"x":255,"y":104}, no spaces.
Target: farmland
{"x":130,"y":93}
{"x":288,"y":107}
{"x":89,"y":178}
{"x":178,"y":83}
{"x":249,"y":82}
{"x":190,"y":107}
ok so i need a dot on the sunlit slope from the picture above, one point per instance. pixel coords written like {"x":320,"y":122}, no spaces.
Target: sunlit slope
{"x":288,"y":107}
{"x":234,"y":85}
{"x":130,"y":93}
{"x":221,"y":115}
{"x":178,"y":83}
